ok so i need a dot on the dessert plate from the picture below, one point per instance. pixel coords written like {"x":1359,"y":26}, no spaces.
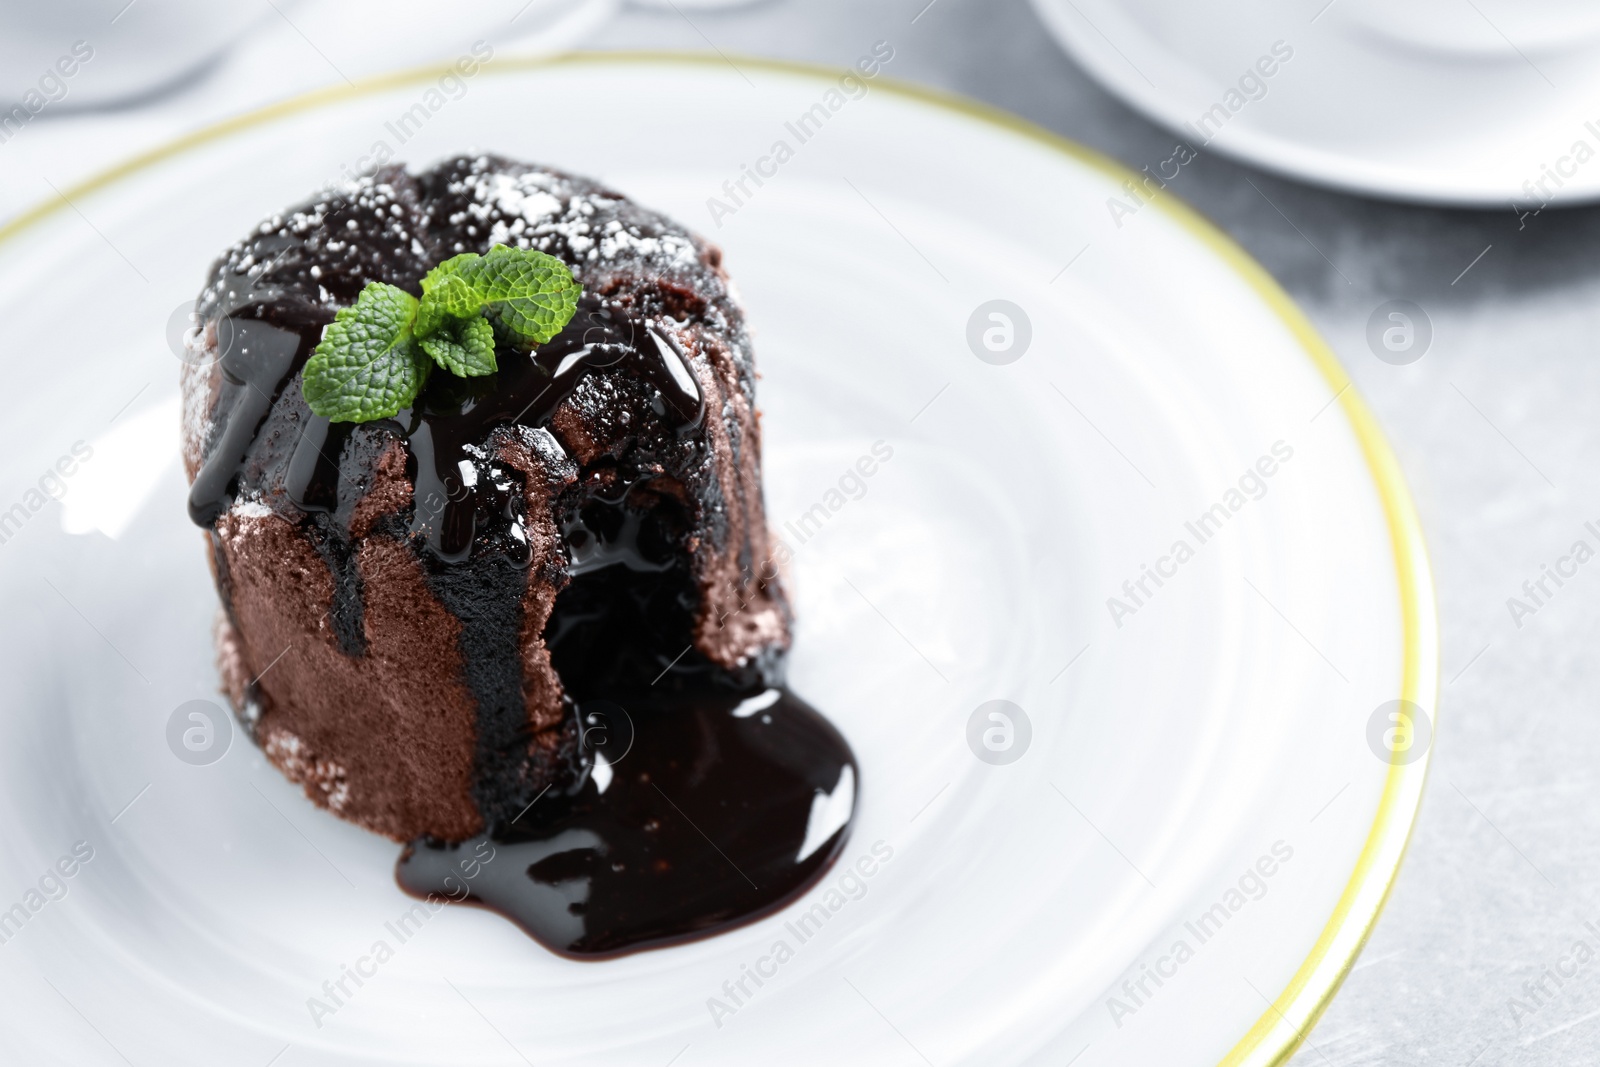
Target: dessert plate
{"x":1100,"y":565}
{"x":1485,"y":104}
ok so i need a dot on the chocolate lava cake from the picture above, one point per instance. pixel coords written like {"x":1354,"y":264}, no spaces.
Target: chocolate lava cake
{"x":414,"y":606}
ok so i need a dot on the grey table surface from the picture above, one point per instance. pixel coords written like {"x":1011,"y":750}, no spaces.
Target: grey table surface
{"x":1493,"y":429}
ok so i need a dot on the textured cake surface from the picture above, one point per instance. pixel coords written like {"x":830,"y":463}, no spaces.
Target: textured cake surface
{"x":412,"y":607}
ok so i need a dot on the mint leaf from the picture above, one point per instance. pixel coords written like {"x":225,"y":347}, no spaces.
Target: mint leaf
{"x":531,"y":295}
{"x":464,"y":347}
{"x":446,"y":295}
{"x":368,"y":365}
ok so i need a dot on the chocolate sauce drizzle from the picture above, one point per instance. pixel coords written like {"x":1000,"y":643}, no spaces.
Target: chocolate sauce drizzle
{"x":687,"y":798}
{"x":447,"y":425}
{"x":456,"y":414}
{"x":708,"y":798}
{"x":258,"y":359}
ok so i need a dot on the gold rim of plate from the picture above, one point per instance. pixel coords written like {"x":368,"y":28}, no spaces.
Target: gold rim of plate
{"x":1279,"y":1031}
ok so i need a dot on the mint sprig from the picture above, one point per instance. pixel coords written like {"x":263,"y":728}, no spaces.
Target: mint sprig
{"x":376,"y":355}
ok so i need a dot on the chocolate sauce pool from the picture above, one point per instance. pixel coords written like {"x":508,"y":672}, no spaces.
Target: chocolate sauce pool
{"x":717,"y":810}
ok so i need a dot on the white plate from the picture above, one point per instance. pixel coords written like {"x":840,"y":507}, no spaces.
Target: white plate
{"x":1228,"y":716}
{"x":1472,"y":103}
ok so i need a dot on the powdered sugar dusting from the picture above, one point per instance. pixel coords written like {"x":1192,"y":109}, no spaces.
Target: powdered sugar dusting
{"x":552,"y":213}
{"x":299,"y":764}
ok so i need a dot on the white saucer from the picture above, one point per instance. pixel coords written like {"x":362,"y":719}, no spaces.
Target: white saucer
{"x":1203,"y":746}
{"x":1472,"y":103}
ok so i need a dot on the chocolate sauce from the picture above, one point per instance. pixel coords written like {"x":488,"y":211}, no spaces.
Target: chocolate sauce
{"x":453,"y":414}
{"x":707,"y":798}
{"x":313,"y":478}
{"x":257,"y":360}
{"x":718,"y":810}
{"x":487,"y":599}
{"x":447,"y":425}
